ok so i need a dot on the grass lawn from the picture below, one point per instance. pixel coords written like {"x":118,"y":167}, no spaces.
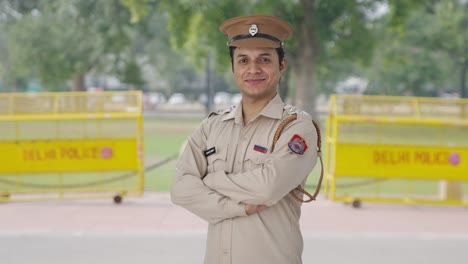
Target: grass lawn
{"x":164,"y":139}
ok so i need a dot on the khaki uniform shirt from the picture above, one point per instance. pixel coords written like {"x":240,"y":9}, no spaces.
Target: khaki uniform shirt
{"x":226,"y":165}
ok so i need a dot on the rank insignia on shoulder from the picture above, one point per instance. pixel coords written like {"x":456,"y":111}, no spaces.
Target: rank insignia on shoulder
{"x":297,"y":144}
{"x":209,"y":151}
{"x":215,"y":113}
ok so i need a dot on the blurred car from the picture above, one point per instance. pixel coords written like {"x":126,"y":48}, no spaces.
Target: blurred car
{"x":177,"y":98}
{"x":203,"y":99}
{"x":157,"y":98}
{"x":236,"y":98}
{"x":222,"y":98}
{"x":152,"y":100}
{"x":118,"y":98}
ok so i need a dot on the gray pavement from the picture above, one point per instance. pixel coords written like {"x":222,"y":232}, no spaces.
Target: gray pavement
{"x":152,"y":230}
{"x":188,"y":247}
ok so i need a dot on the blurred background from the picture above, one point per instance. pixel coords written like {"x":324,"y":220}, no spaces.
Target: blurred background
{"x":174,"y":53}
{"x":142,"y":74}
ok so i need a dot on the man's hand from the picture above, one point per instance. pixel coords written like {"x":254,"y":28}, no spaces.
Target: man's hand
{"x":252,"y":209}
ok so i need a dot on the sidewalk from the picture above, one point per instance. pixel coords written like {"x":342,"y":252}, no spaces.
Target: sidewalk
{"x":154,"y":212}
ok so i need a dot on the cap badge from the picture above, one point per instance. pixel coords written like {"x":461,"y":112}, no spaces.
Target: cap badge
{"x":253,"y":30}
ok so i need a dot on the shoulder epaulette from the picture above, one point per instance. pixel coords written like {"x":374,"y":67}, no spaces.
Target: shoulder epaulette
{"x":301,"y":114}
{"x":215,"y":113}
{"x":292,"y":109}
{"x":220,"y":112}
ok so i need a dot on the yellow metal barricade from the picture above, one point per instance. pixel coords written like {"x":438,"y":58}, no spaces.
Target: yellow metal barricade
{"x":397,"y":149}
{"x":71,"y":145}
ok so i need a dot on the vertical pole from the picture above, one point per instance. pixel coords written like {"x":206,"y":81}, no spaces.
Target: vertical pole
{"x":208,"y":89}
{"x":464,"y":68}
{"x":328,"y":145}
{"x":17,"y":136}
{"x":140,"y":144}
{"x":335,"y":144}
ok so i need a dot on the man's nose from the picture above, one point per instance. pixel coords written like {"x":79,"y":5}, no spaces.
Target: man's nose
{"x":254,"y":68}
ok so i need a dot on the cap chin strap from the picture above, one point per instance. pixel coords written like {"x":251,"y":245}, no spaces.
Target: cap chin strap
{"x":258,"y":35}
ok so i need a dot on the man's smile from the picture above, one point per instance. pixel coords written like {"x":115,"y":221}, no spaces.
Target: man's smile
{"x":255,"y":81}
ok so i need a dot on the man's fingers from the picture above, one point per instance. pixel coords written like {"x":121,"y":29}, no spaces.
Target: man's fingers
{"x":251,"y":209}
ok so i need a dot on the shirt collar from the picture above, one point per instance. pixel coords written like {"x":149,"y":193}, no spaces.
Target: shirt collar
{"x":274,"y":109}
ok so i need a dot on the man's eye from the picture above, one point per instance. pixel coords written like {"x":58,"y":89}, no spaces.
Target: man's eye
{"x":265,"y":60}
{"x":243,"y":61}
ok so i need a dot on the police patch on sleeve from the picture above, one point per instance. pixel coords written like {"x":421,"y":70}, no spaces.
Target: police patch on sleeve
{"x":297,"y":144}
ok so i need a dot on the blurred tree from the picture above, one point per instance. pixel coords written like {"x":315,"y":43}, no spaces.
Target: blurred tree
{"x":422,"y":55}
{"x":324,"y":31}
{"x":172,"y":71}
{"x":7,"y":77}
{"x":138,"y":8}
{"x":63,"y":40}
{"x":444,"y":28}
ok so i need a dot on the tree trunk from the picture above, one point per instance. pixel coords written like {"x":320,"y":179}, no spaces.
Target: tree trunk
{"x":284,"y":84}
{"x":10,"y":83}
{"x":464,"y":69}
{"x":306,"y":60}
{"x":79,"y":104}
{"x":463,"y":94}
{"x":209,"y":104}
{"x":78,"y":83}
{"x":14,"y":84}
{"x":6,"y":81}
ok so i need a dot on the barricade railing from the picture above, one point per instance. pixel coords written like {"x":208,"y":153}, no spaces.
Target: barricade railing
{"x":397,"y":149}
{"x":71,"y":145}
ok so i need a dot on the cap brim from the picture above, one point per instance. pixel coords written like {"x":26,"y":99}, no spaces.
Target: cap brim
{"x":255,"y":43}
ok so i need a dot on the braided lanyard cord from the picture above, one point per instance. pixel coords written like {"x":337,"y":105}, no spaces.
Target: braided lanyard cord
{"x":311,"y":197}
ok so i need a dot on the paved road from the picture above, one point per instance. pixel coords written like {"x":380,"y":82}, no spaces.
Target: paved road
{"x":188,"y":247}
{"x":152,"y":230}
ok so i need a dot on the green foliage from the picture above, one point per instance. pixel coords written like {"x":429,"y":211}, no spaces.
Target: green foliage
{"x":132,"y":74}
{"x":193,"y":26}
{"x":59,"y":40}
{"x":416,"y":47}
{"x":423,"y":56}
{"x":138,"y":8}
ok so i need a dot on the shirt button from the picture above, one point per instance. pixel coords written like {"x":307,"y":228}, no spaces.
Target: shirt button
{"x":244,"y":138}
{"x":225,"y":252}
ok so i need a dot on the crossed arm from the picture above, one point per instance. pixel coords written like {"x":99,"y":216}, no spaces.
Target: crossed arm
{"x":281,"y":172}
{"x":218,"y":196}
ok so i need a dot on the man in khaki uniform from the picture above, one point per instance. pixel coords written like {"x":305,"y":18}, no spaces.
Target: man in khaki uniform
{"x":228,"y":173}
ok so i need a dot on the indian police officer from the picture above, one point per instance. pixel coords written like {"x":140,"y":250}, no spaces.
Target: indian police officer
{"x":230,"y":175}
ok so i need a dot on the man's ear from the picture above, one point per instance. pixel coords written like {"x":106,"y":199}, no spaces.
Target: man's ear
{"x":282,"y":65}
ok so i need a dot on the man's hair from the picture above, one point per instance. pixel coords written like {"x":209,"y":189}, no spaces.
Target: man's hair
{"x":279,"y":50}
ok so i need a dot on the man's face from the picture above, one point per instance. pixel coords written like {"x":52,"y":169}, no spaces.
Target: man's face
{"x":257,"y":72}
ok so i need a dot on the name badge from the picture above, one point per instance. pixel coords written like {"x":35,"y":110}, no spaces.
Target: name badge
{"x":210,"y":151}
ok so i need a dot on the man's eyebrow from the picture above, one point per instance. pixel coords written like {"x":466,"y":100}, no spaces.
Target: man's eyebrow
{"x":245,"y":55}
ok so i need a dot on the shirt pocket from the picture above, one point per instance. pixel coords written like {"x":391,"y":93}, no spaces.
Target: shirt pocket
{"x":254,"y":160}
{"x":217,"y":161}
